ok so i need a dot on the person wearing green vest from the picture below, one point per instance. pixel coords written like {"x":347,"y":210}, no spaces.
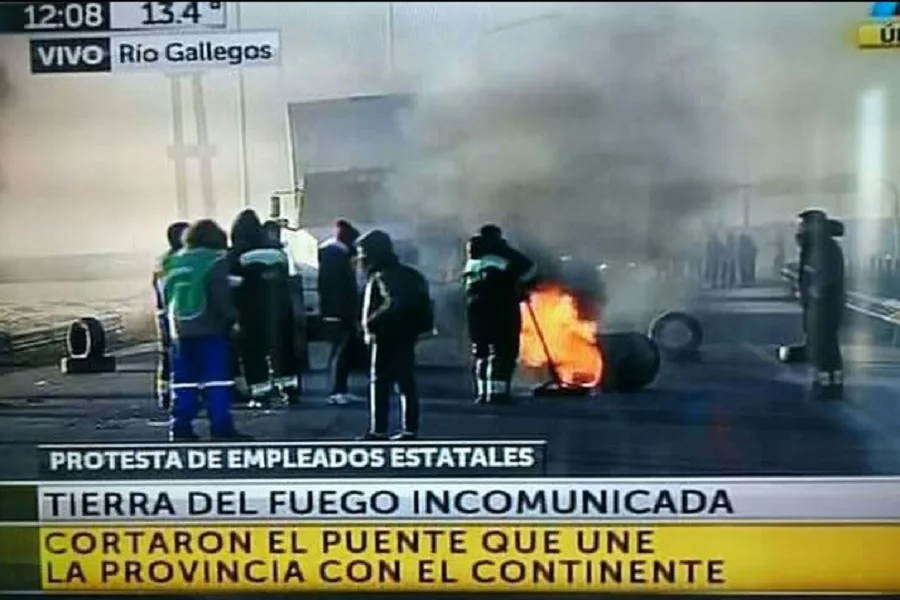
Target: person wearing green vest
{"x":174,"y":233}
{"x":201,"y":315}
{"x":496,"y":277}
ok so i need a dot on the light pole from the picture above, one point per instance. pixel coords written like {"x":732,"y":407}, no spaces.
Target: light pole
{"x":242,"y":123}
{"x":390,"y":48}
{"x":490,"y":31}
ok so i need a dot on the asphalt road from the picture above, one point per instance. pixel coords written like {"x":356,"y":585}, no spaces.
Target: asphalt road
{"x":735,"y":412}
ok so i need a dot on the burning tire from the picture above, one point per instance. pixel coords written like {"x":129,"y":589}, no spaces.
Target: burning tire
{"x":678,"y":335}
{"x":631,"y":361}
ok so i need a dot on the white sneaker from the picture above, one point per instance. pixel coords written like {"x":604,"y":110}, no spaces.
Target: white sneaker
{"x":338,"y":399}
{"x":352,"y":398}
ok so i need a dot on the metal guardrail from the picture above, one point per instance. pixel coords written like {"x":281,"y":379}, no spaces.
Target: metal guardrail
{"x":22,"y":348}
{"x":881,"y":308}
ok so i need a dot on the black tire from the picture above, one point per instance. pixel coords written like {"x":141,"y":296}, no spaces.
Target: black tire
{"x":86,"y":338}
{"x":688,"y":349}
{"x":631,"y":361}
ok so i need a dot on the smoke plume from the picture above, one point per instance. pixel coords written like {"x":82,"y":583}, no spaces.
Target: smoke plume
{"x":588,"y":134}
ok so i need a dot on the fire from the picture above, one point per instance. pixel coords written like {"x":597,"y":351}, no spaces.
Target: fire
{"x":563,"y":332}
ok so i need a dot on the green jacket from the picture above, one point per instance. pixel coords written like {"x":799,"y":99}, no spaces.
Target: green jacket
{"x":197,"y":296}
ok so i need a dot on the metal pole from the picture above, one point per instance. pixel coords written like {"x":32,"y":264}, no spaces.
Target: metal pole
{"x":242,"y":123}
{"x":178,"y":152}
{"x":895,"y":197}
{"x":204,"y":152}
{"x":390,"y":45}
{"x":746,"y":198}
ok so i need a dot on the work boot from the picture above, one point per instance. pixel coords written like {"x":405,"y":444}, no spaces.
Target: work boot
{"x":266,"y":401}
{"x":828,"y":393}
{"x":500,"y":399}
{"x":372,"y":437}
{"x":338,"y":400}
{"x":292,"y":396}
{"x":231,"y":436}
{"x":183,"y":436}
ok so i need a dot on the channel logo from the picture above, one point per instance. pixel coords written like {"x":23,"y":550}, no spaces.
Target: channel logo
{"x":882,"y":30}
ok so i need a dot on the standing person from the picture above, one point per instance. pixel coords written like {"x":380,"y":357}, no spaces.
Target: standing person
{"x":731,"y":261}
{"x":780,"y":258}
{"x":339,"y":306}
{"x":288,"y":303}
{"x":174,"y":234}
{"x":262,"y":301}
{"x":747,"y":252}
{"x":496,"y":277}
{"x":397,"y":309}
{"x":201,"y":314}
{"x":272,"y":231}
{"x":715,"y":251}
{"x":822,"y":289}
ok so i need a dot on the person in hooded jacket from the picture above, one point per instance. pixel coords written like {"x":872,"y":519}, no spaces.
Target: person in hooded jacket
{"x":174,"y":234}
{"x":397,"y":309}
{"x":201,"y":313}
{"x":822,"y":298}
{"x":339,"y":306}
{"x":262,"y":299}
{"x":496,"y":277}
{"x":286,"y":366}
{"x":747,"y":251}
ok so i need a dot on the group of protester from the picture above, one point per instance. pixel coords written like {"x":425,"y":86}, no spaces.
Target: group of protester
{"x":730,"y":262}
{"x":496,"y":278}
{"x":228,"y":311}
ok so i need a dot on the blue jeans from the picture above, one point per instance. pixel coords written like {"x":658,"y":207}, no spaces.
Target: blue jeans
{"x":202,"y":364}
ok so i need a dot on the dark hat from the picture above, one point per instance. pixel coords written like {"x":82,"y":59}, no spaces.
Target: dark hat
{"x":835,"y":228}
{"x":375,"y":247}
{"x":175,"y":233}
{"x":475,"y":246}
{"x":812,"y":214}
{"x":491,"y":232}
{"x":345,"y":231}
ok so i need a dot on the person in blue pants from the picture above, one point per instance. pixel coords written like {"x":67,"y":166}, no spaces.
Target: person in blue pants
{"x":201,"y":315}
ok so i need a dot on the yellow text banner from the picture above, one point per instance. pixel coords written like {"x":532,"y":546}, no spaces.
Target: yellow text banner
{"x":739,"y":558}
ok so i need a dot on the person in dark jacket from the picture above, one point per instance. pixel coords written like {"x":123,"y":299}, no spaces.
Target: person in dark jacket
{"x":731,"y":260}
{"x":397,"y":309}
{"x":263,"y":304}
{"x":496,"y":278}
{"x":201,"y":313}
{"x":339,"y":300}
{"x":174,"y":234}
{"x":822,"y":297}
{"x":747,"y":252}
{"x":715,"y":261}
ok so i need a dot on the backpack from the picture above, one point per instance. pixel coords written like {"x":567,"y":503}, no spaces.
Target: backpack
{"x":421,"y":306}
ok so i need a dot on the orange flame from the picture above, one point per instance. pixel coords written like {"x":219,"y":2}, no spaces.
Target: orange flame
{"x":569,"y":337}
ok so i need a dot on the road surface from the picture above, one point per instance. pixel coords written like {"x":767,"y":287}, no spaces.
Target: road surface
{"x":736,"y":412}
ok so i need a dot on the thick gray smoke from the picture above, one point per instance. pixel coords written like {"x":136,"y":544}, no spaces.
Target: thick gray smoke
{"x":589,"y":133}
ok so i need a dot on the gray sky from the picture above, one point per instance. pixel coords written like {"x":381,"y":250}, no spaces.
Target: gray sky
{"x":732,"y":92}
